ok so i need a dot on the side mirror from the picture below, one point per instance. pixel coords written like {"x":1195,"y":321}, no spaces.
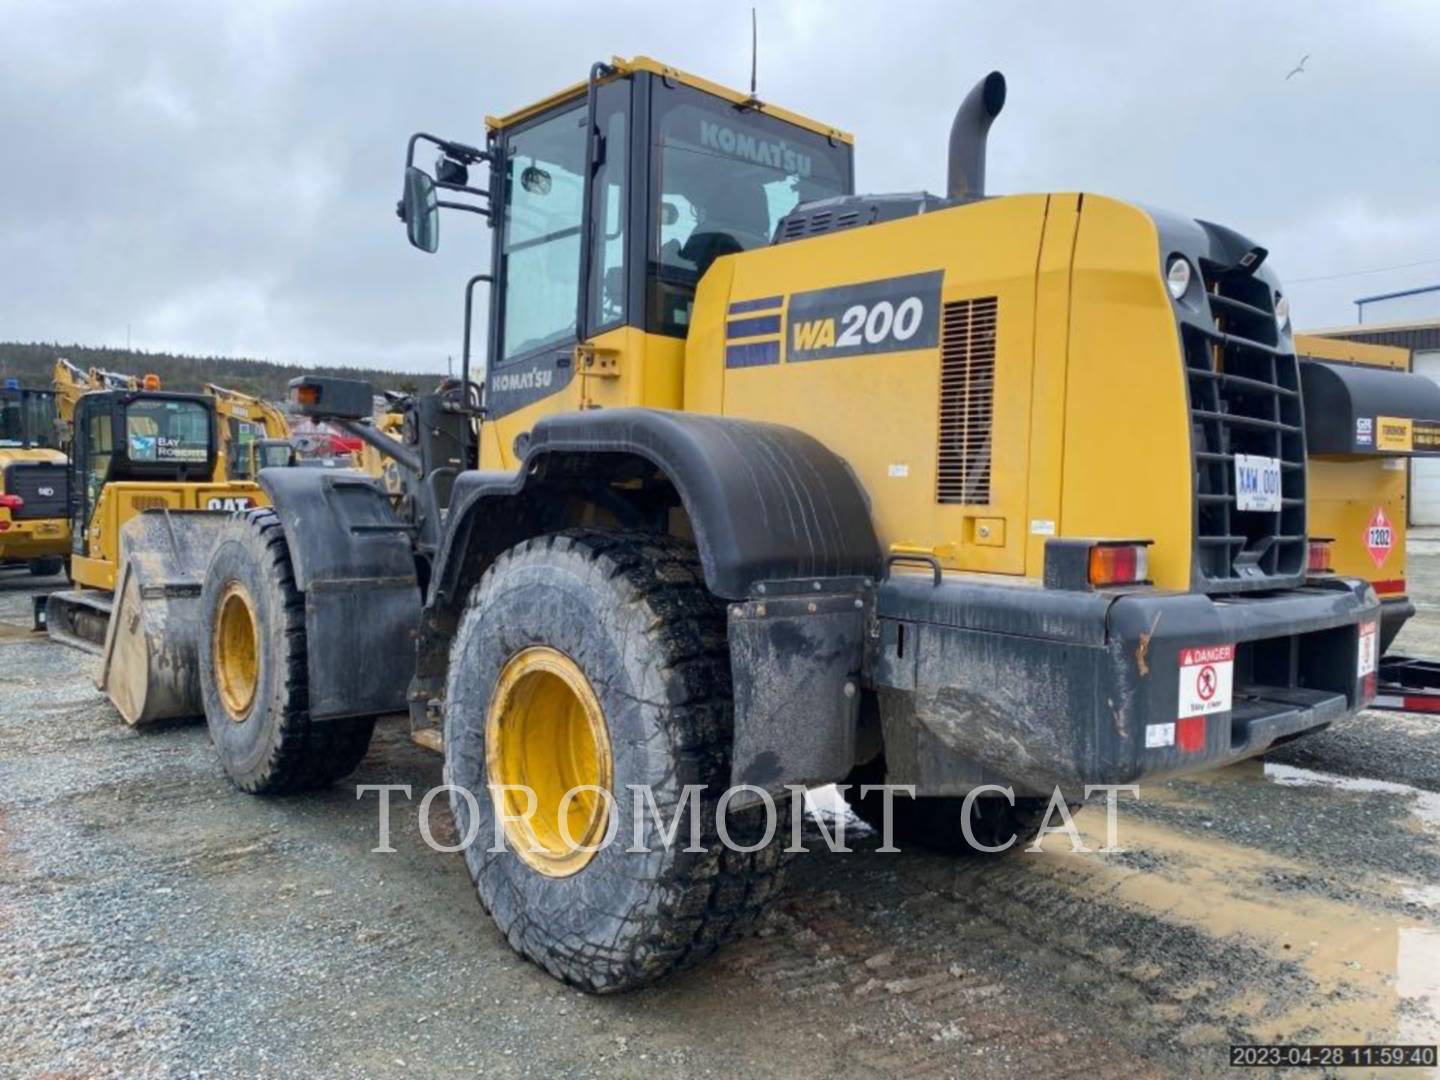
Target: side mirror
{"x":420,"y":210}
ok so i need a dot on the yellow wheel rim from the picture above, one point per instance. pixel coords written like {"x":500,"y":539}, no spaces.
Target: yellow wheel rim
{"x":236,"y":647}
{"x":545,"y":731}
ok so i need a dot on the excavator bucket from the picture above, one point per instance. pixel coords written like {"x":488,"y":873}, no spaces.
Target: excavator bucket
{"x":151,"y":656}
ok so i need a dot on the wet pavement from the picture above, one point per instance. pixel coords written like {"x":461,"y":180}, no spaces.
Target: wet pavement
{"x":153,"y":921}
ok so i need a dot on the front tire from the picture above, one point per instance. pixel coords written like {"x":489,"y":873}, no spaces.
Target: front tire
{"x":253,"y":675}
{"x":46,"y":567}
{"x":608,"y":645}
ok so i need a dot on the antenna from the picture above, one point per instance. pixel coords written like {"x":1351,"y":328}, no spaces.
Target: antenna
{"x":754,"y":48}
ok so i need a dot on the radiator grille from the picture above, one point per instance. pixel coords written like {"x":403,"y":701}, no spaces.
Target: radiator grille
{"x":967,"y":401}
{"x":41,"y":485}
{"x":1244,"y":399}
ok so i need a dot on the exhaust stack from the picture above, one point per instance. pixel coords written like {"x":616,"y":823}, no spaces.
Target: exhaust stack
{"x":968,"y":134}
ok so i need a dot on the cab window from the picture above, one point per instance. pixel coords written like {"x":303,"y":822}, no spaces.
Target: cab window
{"x":99,"y":450}
{"x":167,"y":431}
{"x":27,"y":419}
{"x":40,"y":420}
{"x":12,"y":420}
{"x":544,"y":181}
{"x":724,"y":177}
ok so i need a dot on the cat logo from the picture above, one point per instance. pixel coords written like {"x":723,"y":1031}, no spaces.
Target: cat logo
{"x":45,"y":492}
{"x":229,"y":503}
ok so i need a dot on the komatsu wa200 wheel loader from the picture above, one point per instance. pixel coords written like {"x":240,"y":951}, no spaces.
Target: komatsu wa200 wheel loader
{"x":771,"y":483}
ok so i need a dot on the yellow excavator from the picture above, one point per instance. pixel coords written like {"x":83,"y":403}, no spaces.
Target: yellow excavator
{"x":148,"y":489}
{"x":254,"y":434}
{"x":34,"y":525}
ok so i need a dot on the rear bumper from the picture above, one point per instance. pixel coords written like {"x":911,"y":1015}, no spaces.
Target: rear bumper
{"x":35,"y":538}
{"x":1038,"y":688}
{"x":1395,"y":612}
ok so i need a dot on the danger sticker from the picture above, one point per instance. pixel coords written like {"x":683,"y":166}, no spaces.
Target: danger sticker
{"x":1369,"y":655}
{"x":1379,"y":537}
{"x":1207,"y":675}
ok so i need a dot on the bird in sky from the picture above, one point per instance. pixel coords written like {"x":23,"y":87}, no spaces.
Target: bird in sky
{"x":1298,"y":69}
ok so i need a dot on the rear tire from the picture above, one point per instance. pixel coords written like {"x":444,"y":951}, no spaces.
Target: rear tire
{"x":253,"y":675}
{"x":46,"y":567}
{"x":933,"y":821}
{"x":630,"y":613}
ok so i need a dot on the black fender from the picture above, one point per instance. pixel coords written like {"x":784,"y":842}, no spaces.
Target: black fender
{"x":765,"y":502}
{"x":354,"y":561}
{"x":773,"y":512}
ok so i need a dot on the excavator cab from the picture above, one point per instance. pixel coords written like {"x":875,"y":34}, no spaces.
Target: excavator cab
{"x":145,"y":437}
{"x":248,"y":456}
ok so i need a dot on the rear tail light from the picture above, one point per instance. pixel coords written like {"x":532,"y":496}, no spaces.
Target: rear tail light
{"x":1318,"y":561}
{"x":1118,"y":564}
{"x":11,"y":502}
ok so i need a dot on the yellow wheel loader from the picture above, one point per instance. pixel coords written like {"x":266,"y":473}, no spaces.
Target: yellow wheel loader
{"x":767,"y":484}
{"x":34,"y":526}
{"x":147,"y":496}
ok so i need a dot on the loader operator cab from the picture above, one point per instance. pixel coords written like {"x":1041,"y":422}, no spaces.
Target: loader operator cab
{"x":146,"y":436}
{"x":616,"y":229}
{"x":27,"y":419}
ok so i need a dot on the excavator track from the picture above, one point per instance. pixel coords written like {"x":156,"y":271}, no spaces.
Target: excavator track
{"x":78,"y":617}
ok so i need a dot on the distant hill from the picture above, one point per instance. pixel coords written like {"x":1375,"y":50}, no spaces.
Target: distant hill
{"x":33,"y":362}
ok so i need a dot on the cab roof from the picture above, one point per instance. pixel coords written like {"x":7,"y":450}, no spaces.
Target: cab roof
{"x":644,"y":63}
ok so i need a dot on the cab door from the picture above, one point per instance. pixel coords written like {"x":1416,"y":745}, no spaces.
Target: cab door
{"x":540,"y":265}
{"x":91,"y":454}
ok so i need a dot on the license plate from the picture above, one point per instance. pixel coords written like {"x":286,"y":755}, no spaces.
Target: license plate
{"x":1257,"y":483}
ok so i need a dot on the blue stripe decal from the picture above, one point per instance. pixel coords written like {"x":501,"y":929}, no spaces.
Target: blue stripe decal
{"x":760,"y":324}
{"x":765,"y":303}
{"x":752,"y":354}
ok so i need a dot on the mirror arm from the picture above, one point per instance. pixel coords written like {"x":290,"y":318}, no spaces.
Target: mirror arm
{"x":482,"y":211}
{"x":458,"y":150}
{"x":461,"y":187}
{"x":384,"y":444}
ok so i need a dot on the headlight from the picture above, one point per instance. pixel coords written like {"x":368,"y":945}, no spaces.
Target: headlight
{"x":1177,"y":276}
{"x":1282,"y":313}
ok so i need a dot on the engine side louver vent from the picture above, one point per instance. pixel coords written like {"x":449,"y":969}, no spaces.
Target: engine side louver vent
{"x":967,"y":401}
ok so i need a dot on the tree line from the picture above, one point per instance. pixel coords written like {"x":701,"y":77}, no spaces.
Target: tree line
{"x":33,"y":362}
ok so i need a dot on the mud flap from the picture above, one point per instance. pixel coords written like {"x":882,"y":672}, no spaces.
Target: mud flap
{"x":151,"y":669}
{"x":355,"y":563}
{"x":796,"y":665}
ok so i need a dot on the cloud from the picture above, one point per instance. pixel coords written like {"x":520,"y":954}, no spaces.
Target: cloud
{"x":222,"y":177}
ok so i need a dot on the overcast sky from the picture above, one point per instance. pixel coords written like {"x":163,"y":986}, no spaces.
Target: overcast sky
{"x":221,"y":176}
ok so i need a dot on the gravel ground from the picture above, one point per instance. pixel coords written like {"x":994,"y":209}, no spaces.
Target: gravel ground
{"x":155,"y":922}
